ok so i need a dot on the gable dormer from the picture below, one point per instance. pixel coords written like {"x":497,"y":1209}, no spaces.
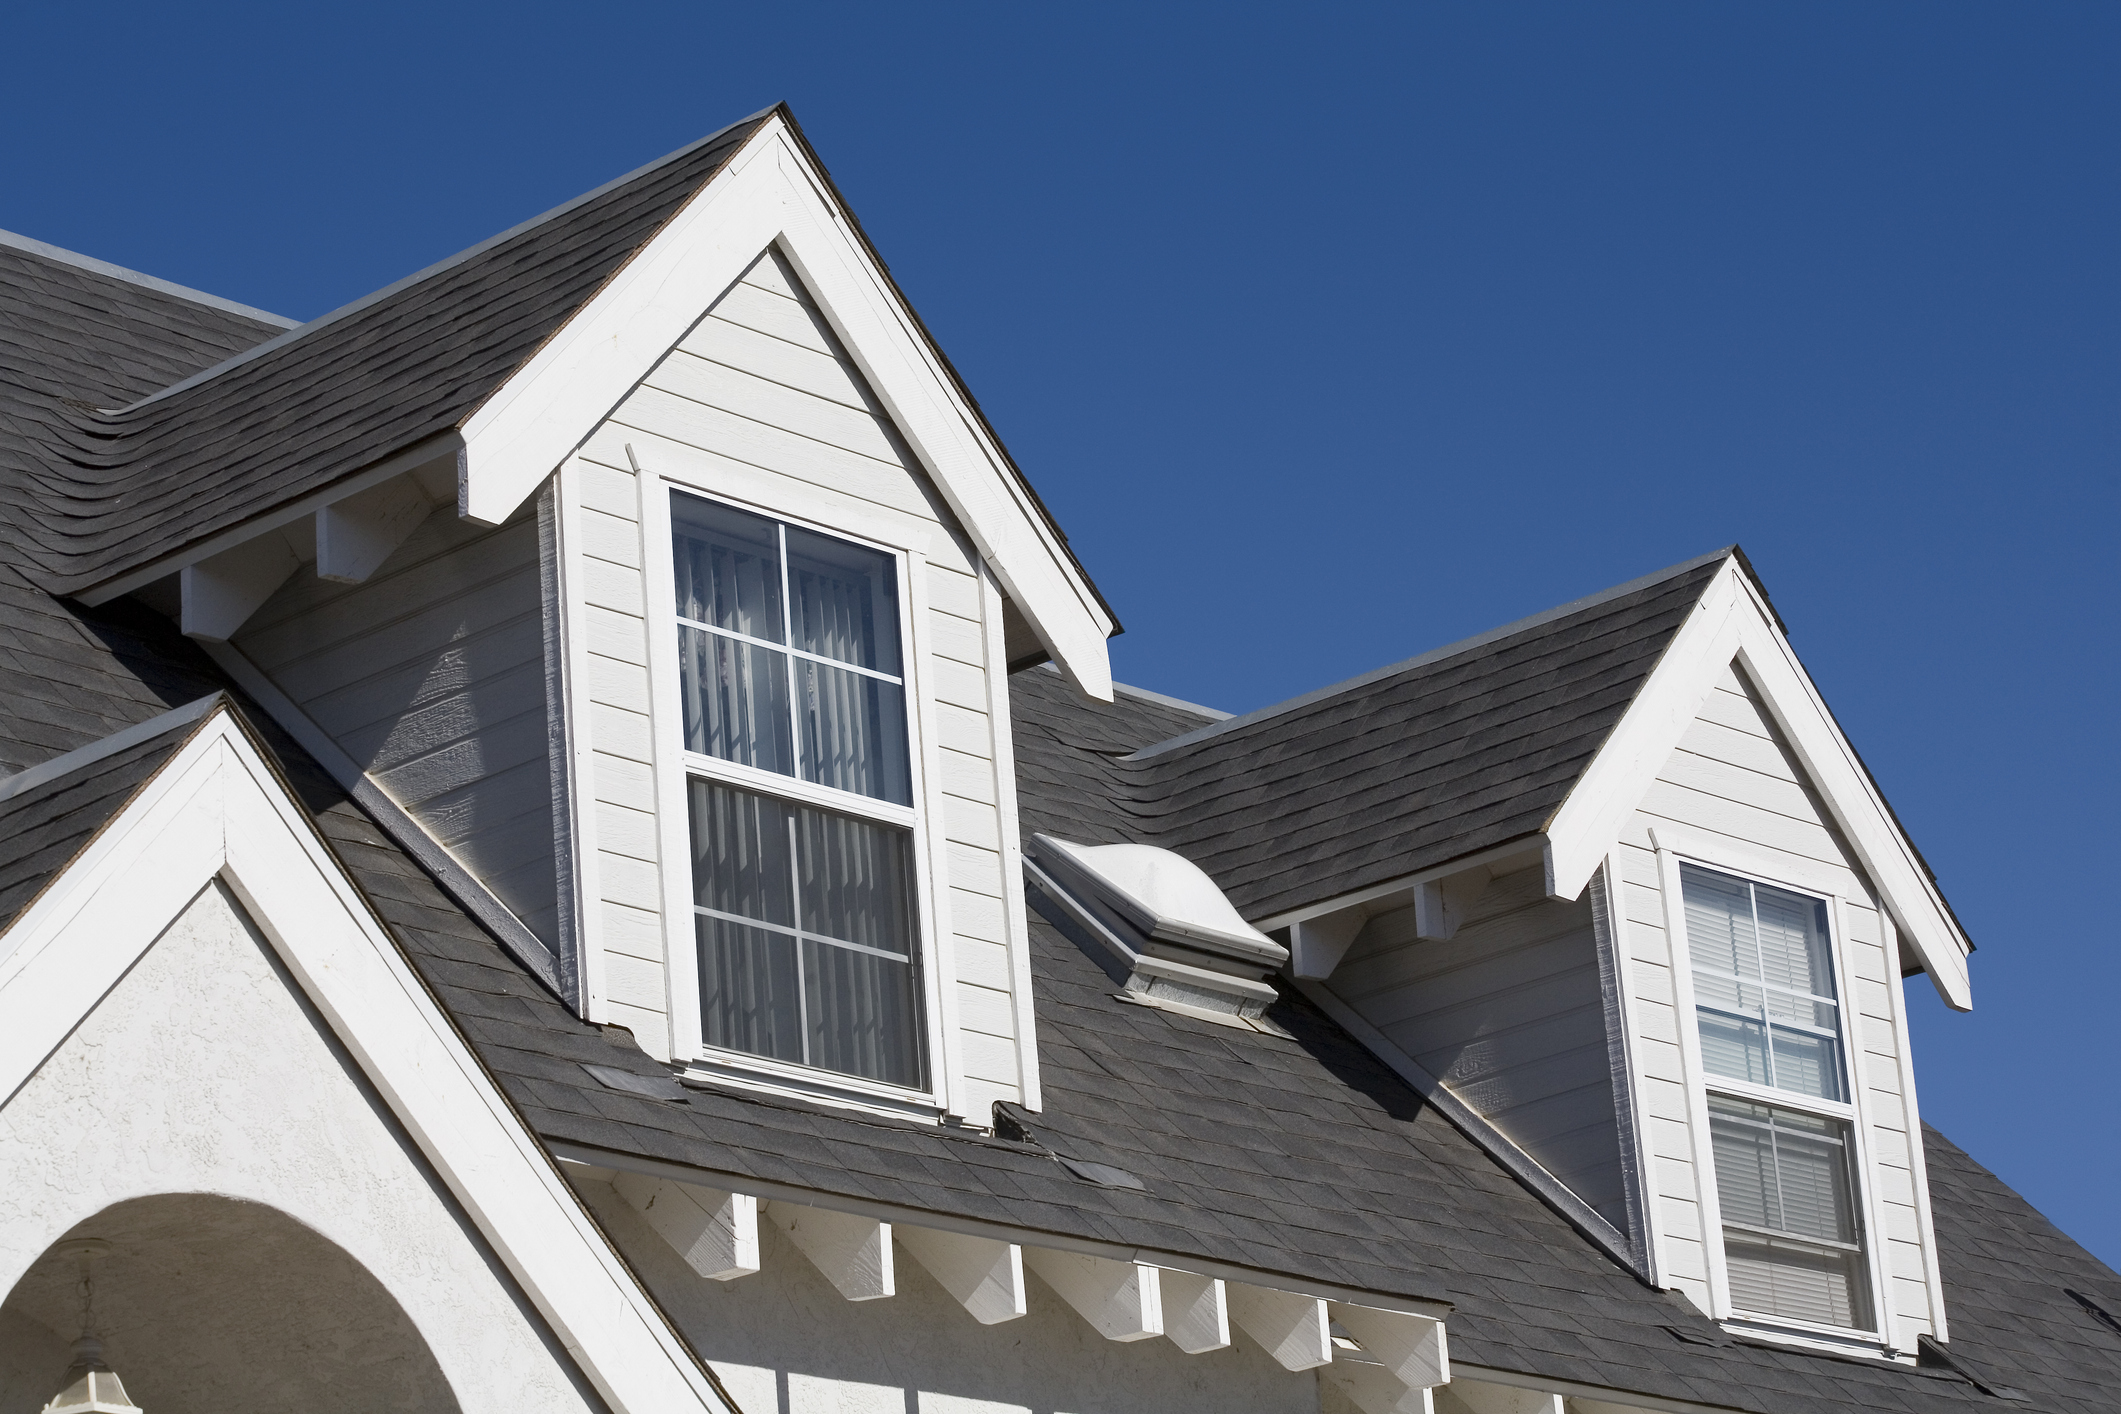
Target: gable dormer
{"x":658,"y":596}
{"x":1610,"y":887}
{"x":787,"y":722}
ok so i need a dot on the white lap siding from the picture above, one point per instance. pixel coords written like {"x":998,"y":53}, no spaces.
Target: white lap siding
{"x":430,"y":675}
{"x":760,"y":404}
{"x":1733,"y":786}
{"x":1510,"y":1015}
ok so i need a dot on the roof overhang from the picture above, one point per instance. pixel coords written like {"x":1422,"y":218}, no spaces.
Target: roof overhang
{"x":771,"y":192}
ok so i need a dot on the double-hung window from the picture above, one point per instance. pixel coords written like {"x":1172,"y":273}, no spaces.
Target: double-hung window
{"x":805,"y":913}
{"x":1773,"y":1045}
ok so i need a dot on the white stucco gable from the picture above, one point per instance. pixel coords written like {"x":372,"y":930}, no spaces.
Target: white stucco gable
{"x":203,"y":1003}
{"x":773,"y":192}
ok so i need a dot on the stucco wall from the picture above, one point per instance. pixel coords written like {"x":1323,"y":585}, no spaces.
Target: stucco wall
{"x":785,"y":1342}
{"x":203,"y":1071}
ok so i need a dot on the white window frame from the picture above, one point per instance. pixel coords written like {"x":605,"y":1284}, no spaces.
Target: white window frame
{"x":675,"y":765}
{"x":1672,"y":849}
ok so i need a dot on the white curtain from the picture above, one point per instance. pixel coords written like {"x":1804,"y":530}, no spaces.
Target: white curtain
{"x":806,"y":935}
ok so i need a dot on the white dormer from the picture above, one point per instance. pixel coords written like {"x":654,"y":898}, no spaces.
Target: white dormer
{"x":794,"y":843}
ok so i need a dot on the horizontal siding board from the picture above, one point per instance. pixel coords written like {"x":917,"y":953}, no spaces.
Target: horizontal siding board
{"x":779,"y":315}
{"x":614,"y":539}
{"x":722,"y":433}
{"x":618,"y":781}
{"x":982,"y":963}
{"x":952,"y":592}
{"x":462,"y":666}
{"x":965,"y":776}
{"x":961,"y":639}
{"x":985,"y":1009}
{"x":608,"y":489}
{"x":792,"y":365}
{"x":775,"y":405}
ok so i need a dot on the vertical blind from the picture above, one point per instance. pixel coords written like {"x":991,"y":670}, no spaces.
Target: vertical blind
{"x":805,"y":919}
{"x":1763,"y":984}
{"x":1792,"y":1246}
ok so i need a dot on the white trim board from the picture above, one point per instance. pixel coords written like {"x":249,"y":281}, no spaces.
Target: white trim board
{"x":1732,"y":625}
{"x":769,"y":193}
{"x":216,"y":809}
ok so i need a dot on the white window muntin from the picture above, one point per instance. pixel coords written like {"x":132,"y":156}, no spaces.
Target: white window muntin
{"x":677,"y":764}
{"x":1672,"y":849}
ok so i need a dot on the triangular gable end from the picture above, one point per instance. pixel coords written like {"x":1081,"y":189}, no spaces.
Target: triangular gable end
{"x":1732,"y":626}
{"x":216,"y":811}
{"x":771,"y":194}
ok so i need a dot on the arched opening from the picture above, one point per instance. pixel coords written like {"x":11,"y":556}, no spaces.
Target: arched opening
{"x":211,"y":1305}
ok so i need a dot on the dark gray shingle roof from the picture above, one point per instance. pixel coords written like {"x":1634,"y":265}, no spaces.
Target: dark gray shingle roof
{"x":45,"y":826}
{"x":1399,"y":770}
{"x":120,"y":488}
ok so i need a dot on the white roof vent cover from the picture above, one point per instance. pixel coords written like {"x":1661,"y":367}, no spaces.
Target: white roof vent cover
{"x":1172,"y":933}
{"x":1168,"y":895}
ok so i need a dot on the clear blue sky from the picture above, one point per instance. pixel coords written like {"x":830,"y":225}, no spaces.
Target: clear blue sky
{"x":1332,"y":335}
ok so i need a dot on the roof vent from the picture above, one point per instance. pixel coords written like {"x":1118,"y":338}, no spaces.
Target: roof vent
{"x":1172,"y":937}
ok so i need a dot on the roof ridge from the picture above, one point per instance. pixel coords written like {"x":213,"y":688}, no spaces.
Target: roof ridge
{"x":75,"y":258}
{"x":446,"y":263}
{"x":1434,"y":655}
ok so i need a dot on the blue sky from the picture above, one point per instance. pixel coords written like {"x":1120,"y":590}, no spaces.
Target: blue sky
{"x":1335,"y":334}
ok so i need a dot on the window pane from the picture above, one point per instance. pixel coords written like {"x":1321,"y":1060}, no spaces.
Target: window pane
{"x":853,"y":732}
{"x":1719,"y":922}
{"x":728,"y":567}
{"x":845,"y":601}
{"x":1775,"y":1280}
{"x":856,"y":881}
{"x":1734,"y":1046}
{"x":741,"y":862}
{"x":864,"y":1019}
{"x":1780,"y":1172}
{"x":748,"y":990}
{"x":1805,"y":1064}
{"x":782,"y":991}
{"x":1763,"y":990}
{"x":1793,"y":950}
{"x":736,"y":701}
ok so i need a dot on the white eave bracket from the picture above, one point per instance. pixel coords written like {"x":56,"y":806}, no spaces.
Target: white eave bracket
{"x":769,"y":193}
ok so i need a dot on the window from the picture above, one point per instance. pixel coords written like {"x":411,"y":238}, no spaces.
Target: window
{"x":804,"y":911}
{"x":1773,"y":1048}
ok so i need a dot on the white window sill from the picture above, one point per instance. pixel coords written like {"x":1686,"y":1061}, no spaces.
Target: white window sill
{"x":1803,"y":1335}
{"x":760,"y":1076}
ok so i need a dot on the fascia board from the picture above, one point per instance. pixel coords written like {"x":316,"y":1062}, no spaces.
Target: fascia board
{"x":1861,"y":814}
{"x":1730,"y":624}
{"x":217,"y":808}
{"x":1584,"y":829}
{"x":767,"y":194}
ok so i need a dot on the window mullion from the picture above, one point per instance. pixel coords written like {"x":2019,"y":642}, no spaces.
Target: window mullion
{"x":1767,"y":1021}
{"x":795,"y":904}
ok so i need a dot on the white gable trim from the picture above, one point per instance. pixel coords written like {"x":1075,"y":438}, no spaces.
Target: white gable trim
{"x":770,"y":193}
{"x":216,"y":809}
{"x":1731,"y":623}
